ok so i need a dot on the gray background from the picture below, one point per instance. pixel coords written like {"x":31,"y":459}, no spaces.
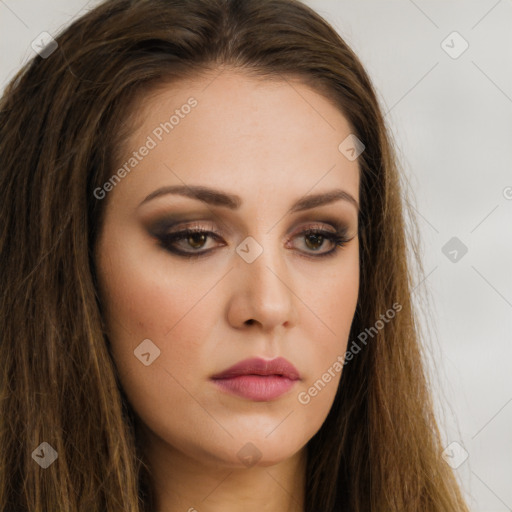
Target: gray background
{"x":451,"y":119}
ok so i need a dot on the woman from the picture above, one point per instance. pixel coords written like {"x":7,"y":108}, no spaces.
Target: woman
{"x":206,"y":301}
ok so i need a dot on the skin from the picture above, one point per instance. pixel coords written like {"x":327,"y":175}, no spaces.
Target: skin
{"x":271,"y":143}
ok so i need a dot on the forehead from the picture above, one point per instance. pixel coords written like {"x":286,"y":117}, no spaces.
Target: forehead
{"x":237,"y":132}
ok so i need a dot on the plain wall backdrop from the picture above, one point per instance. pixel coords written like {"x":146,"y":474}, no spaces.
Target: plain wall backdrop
{"x":443,"y":73}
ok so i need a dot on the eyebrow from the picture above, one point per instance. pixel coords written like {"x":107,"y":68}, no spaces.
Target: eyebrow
{"x":233,"y":202}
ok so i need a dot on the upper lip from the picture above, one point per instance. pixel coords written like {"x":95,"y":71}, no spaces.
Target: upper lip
{"x":257,"y":366}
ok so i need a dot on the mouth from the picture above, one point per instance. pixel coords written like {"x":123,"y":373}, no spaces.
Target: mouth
{"x":258,"y":379}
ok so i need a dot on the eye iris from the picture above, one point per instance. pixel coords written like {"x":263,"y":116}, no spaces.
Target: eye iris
{"x":193,"y":240}
{"x":317,"y":240}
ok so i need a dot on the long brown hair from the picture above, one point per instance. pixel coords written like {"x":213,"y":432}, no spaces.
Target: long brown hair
{"x":62,"y":119}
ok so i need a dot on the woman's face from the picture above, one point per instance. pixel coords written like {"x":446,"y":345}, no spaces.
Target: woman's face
{"x":245,"y":157}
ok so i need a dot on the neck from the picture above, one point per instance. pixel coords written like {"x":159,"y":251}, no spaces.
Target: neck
{"x":184,"y":484}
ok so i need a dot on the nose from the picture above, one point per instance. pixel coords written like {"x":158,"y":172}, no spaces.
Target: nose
{"x":262,"y":293}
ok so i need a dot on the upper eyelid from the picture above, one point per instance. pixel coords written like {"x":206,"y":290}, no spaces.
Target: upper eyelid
{"x":208,"y":231}
{"x":167,"y":227}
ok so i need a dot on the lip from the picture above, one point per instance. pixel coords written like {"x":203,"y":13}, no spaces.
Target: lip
{"x":258,"y":379}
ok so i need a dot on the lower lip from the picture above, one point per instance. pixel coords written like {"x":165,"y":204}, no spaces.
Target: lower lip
{"x":260,"y":388}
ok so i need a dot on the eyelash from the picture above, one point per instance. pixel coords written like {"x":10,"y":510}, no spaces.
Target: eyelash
{"x":338,"y":238}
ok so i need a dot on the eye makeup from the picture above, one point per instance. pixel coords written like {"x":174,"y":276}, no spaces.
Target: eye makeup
{"x":196,"y":239}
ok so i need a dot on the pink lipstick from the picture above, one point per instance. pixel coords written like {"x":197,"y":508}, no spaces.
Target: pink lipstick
{"x":258,"y":379}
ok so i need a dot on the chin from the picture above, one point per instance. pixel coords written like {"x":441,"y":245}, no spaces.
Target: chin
{"x":255,"y":451}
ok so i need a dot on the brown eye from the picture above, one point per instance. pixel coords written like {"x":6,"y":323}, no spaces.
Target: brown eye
{"x":189,"y":242}
{"x":314,"y":240}
{"x":318,"y":243}
{"x":196,"y":240}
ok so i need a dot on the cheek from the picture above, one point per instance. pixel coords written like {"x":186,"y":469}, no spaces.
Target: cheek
{"x":328,"y":331}
{"x":332,"y":300}
{"x":144,"y":304}
{"x":147,"y":302}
